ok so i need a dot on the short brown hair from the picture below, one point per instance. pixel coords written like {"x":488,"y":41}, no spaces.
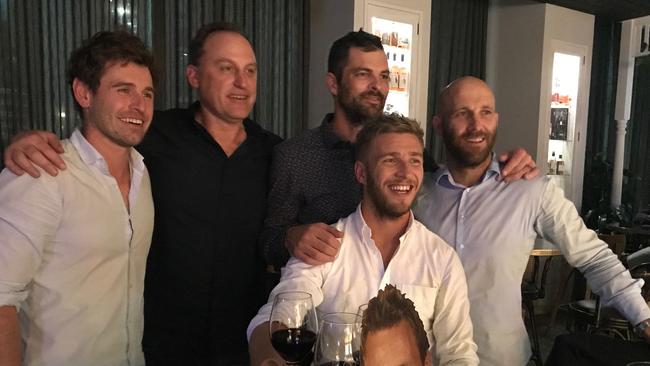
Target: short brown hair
{"x":386,"y":123}
{"x":88,"y":62}
{"x":340,"y":50}
{"x":389,"y":308}
{"x":195,"y":49}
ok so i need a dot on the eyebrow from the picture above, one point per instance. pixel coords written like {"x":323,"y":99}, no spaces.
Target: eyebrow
{"x":118,"y":84}
{"x":395,"y":153}
{"x":225,"y":59}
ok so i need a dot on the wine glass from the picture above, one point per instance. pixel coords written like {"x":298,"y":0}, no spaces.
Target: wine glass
{"x":339,"y":340}
{"x":293,"y":326}
{"x":362,"y":309}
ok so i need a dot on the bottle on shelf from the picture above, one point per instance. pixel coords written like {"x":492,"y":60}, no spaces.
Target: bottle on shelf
{"x":403,"y":77}
{"x":559,"y":169}
{"x":394,"y":77}
{"x":552,"y":164}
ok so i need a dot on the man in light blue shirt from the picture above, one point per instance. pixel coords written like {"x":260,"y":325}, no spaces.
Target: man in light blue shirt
{"x":493,"y":226}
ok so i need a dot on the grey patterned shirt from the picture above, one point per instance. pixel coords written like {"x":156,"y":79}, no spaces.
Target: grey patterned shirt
{"x":312,"y":180}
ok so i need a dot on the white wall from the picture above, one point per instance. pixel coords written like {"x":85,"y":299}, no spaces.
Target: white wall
{"x":513,"y":69}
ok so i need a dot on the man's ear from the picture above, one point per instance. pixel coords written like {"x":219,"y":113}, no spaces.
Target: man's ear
{"x":437,"y":125}
{"x":332,"y":84}
{"x":82,"y":93}
{"x":192,"y":75}
{"x":360,"y":172}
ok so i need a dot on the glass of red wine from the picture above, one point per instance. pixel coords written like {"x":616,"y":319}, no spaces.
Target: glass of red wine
{"x":293,"y":326}
{"x":339,"y":340}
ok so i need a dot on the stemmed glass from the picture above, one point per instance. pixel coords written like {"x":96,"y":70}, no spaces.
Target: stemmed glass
{"x":339,"y":340}
{"x":293,"y":326}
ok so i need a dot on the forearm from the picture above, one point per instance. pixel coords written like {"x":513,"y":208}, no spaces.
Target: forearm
{"x":260,"y":348}
{"x":9,"y":337}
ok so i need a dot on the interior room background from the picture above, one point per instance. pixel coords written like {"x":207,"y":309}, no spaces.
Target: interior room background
{"x":37,"y":36}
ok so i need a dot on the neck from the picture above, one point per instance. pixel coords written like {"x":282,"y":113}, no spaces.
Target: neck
{"x":343,"y":127}
{"x":228,"y":134}
{"x":386,"y":231}
{"x":468,"y":176}
{"x":117,"y":157}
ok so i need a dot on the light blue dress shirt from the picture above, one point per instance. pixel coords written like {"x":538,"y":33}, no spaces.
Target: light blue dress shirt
{"x":493,"y":226}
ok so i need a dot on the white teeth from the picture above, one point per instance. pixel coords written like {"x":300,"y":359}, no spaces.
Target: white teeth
{"x":239,"y":97}
{"x":134,"y":121}
{"x":400,"y":188}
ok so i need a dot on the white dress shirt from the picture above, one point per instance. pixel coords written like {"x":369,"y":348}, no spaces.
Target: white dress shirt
{"x":72,"y":260}
{"x":493,"y":226}
{"x":423,"y":267}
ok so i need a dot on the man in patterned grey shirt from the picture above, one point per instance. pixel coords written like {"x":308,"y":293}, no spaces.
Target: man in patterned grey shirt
{"x":312,"y":178}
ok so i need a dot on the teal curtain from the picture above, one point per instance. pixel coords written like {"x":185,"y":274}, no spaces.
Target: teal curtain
{"x":37,"y":37}
{"x":458,"y":44}
{"x":276,"y":29}
{"x":601,"y":126}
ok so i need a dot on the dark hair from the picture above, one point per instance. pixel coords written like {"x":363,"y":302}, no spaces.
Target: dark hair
{"x":88,"y":62}
{"x":386,"y":123}
{"x":389,"y":308}
{"x":195,"y":50}
{"x":340,"y":50}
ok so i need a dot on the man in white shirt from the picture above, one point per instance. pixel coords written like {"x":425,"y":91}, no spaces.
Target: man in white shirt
{"x":493,"y":225}
{"x":73,"y":247}
{"x":382,"y":244}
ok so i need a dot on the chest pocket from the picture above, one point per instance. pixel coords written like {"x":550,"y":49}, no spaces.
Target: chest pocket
{"x":424,"y":298}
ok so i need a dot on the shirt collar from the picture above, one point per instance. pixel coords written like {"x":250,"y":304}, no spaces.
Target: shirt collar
{"x":366,"y":233}
{"x":330,"y":139}
{"x":91,"y":157}
{"x":443,"y":177}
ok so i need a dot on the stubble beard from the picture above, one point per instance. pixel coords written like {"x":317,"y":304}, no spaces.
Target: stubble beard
{"x":468,"y":158}
{"x":383,"y":207}
{"x":353,"y":107}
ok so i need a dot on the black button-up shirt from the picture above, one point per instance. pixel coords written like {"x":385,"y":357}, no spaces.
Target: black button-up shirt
{"x":203,"y":281}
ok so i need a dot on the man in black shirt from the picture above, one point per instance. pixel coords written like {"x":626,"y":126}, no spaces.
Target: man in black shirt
{"x":312,"y":177}
{"x":209,"y":170}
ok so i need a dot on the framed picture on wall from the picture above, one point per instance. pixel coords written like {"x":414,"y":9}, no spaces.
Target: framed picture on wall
{"x":559,"y":123}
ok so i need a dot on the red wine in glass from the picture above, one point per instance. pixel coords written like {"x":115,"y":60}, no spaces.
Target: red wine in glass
{"x":293,"y":326}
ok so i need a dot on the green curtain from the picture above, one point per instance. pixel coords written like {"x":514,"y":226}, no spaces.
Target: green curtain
{"x":601,"y":126}
{"x":458,"y":44}
{"x":275,"y":27}
{"x":37,"y":37}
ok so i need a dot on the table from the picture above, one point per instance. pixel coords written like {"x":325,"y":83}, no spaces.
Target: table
{"x":543,"y":248}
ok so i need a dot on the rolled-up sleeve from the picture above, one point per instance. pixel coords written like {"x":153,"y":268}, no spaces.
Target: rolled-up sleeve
{"x":30,"y":211}
{"x":560,"y":223}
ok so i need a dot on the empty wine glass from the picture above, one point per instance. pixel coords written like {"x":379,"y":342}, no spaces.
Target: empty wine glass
{"x":293,"y":326}
{"x":339,"y":340}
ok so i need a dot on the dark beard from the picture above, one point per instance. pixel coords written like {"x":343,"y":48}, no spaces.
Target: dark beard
{"x":466,"y":158}
{"x":357,"y":114}
{"x":384,"y":210}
